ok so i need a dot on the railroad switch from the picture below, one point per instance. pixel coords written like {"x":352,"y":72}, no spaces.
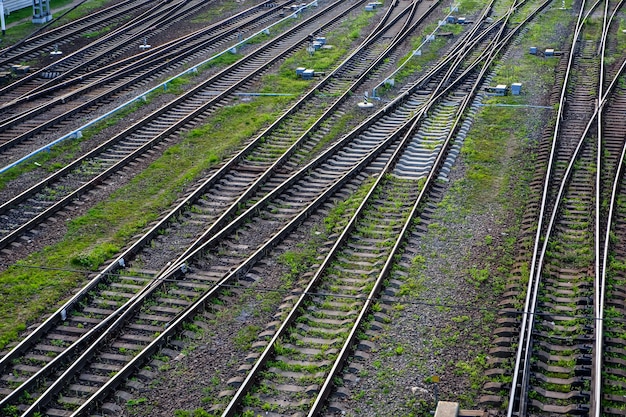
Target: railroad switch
{"x":20,"y":69}
{"x":56,"y":50}
{"x":145,"y":44}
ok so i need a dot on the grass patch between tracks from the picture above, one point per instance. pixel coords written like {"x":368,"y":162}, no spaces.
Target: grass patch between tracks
{"x":483,"y":146}
{"x":217,"y":11}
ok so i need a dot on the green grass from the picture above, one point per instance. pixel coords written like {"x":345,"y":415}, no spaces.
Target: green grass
{"x":98,"y":33}
{"x":470,"y":6}
{"x":621,"y":36}
{"x":484,"y":149}
{"x":178,"y":84}
{"x":198,"y":412}
{"x":221,"y":61}
{"x":217,"y":11}
{"x":338,"y":128}
{"x":552,"y":21}
{"x":338,"y":216}
{"x":245,"y":336}
{"x":300,"y":260}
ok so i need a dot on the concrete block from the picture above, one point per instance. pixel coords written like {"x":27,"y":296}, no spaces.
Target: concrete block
{"x":447,"y":409}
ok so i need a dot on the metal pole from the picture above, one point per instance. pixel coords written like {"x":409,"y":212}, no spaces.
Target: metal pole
{"x":2,"y":25}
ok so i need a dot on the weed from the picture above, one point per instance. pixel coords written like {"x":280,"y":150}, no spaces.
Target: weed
{"x":245,"y":336}
{"x":136,"y":401}
{"x":478,"y":276}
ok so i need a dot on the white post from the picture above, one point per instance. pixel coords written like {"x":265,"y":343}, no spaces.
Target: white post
{"x":2,"y":17}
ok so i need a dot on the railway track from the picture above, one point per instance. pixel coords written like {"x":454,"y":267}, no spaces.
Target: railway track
{"x":83,"y":174}
{"x":223,"y":258}
{"x":86,"y":93}
{"x":613,"y":387}
{"x":146,"y":318}
{"x":557,"y":368}
{"x":608,"y":364}
{"x":106,"y":49}
{"x":104,"y":297}
{"x":32,"y":46}
{"x":561,"y":376}
{"x":498,"y":374}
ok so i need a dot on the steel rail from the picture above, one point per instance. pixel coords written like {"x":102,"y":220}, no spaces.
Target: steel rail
{"x":612,"y":208}
{"x":172,"y":9}
{"x":96,"y":14}
{"x":137,"y":62}
{"x":121,"y":260}
{"x":596,"y":373}
{"x":600,"y":291}
{"x":526,"y":328}
{"x":176,"y":126}
{"x":153,"y":63}
{"x":549,"y":227}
